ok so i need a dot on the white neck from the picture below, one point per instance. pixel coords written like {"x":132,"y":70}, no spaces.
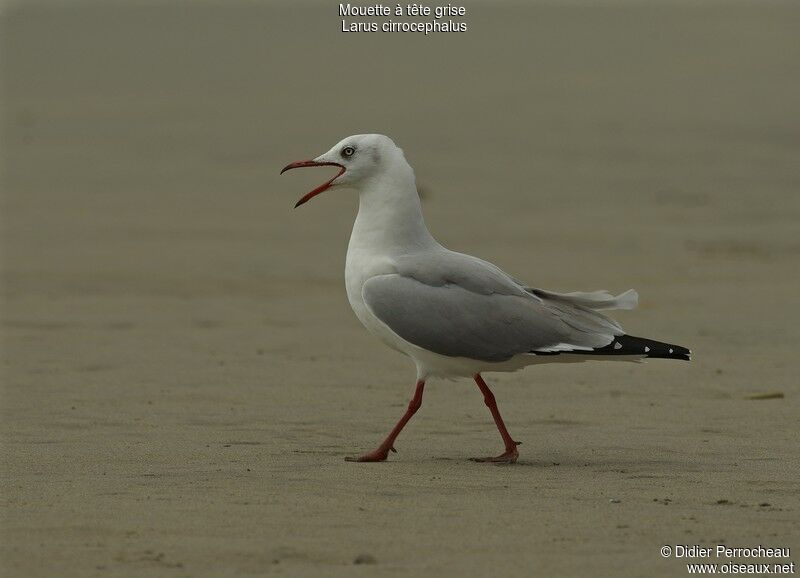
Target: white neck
{"x":389,"y":220}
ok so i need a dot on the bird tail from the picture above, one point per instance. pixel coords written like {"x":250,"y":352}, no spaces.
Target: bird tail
{"x":580,"y":310}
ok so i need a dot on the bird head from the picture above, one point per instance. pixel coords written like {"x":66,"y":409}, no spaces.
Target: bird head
{"x":358,"y":158}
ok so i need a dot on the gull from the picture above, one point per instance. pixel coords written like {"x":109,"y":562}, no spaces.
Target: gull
{"x":453,"y":314}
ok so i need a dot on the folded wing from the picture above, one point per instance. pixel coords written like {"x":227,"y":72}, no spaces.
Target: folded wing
{"x":481,"y":320}
{"x":596,"y":300}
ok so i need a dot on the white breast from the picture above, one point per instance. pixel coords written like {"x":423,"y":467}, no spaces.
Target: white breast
{"x":362,"y":264}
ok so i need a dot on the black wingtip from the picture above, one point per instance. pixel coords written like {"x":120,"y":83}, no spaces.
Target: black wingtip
{"x":628,"y":345}
{"x":650,"y":348}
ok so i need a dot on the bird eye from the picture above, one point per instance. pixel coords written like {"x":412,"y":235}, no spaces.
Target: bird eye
{"x":347,"y":152}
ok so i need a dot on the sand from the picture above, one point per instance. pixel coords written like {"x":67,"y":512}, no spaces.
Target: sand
{"x":183,"y":376}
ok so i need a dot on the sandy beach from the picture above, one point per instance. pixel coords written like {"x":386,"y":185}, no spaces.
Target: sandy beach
{"x":183,"y":375}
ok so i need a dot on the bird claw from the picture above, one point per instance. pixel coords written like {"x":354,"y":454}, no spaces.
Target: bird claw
{"x":507,"y":457}
{"x":375,"y":456}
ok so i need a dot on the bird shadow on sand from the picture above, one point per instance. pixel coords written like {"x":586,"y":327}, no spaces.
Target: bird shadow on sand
{"x":645,"y":468}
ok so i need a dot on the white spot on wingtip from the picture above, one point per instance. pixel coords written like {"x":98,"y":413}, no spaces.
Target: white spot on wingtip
{"x":646,"y":349}
{"x":670,"y":350}
{"x":617,"y":345}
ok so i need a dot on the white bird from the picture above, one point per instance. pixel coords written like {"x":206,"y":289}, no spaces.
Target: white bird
{"x":453,"y":314}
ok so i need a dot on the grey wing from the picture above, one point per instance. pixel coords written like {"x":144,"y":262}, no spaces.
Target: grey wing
{"x":444,"y":267}
{"x":592,"y":300}
{"x":455,"y":321}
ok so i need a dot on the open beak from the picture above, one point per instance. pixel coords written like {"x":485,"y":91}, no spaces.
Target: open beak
{"x":326,"y":185}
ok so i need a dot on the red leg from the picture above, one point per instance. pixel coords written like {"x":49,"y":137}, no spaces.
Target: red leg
{"x":382,"y":452}
{"x":510,"y":455}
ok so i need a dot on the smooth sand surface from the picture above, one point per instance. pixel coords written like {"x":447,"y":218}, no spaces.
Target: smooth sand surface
{"x":183,"y":375}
